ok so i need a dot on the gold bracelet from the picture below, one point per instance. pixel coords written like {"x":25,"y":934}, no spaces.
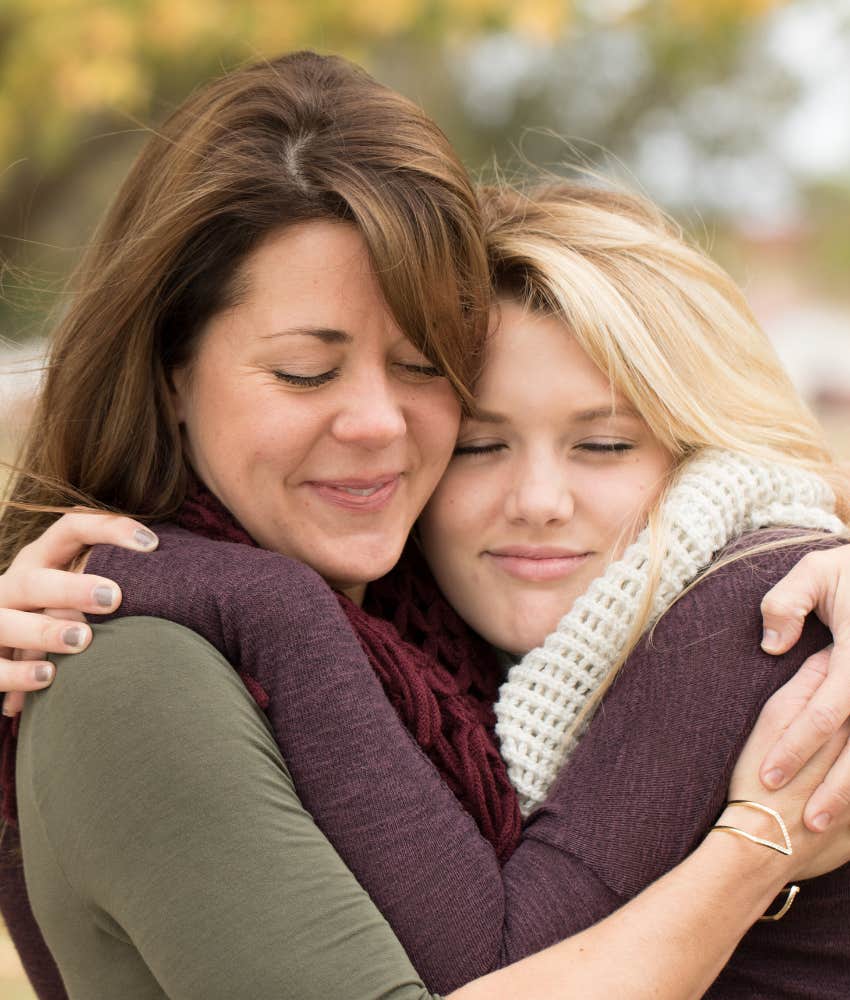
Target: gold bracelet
{"x":785,"y":849}
{"x":790,"y":895}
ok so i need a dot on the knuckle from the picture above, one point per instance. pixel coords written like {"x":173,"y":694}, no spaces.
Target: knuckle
{"x":836,"y":798}
{"x":48,"y":635}
{"x":779,"y":605}
{"x":792,"y":755}
{"x":825,"y":719}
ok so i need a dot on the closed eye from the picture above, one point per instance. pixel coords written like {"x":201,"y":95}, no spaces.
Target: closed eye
{"x":422,"y":371}
{"x":306,"y":381}
{"x":606,"y":447}
{"x":479,"y":449}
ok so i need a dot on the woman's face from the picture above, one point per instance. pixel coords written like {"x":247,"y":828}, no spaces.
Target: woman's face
{"x":310,"y":415}
{"x":548,"y":483}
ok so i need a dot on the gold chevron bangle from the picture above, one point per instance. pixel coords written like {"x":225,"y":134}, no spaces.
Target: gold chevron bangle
{"x":790,"y":895}
{"x":786,"y":849}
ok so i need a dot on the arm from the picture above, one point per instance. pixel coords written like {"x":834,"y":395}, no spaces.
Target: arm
{"x":165,"y":849}
{"x":159,"y":822}
{"x":455,"y":911}
{"x":514,"y":912}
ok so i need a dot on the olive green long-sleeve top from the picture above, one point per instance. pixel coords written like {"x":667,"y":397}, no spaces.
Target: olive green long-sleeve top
{"x":166,"y":851}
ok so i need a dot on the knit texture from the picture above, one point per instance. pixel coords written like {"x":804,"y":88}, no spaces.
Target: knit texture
{"x":717,"y":496}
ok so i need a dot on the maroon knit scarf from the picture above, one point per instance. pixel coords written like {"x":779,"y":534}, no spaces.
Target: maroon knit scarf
{"x":439,"y":677}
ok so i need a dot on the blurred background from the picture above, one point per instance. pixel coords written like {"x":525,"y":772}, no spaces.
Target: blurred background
{"x":733,"y":114}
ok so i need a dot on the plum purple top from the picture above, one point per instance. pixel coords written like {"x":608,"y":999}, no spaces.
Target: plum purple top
{"x":646,"y":782}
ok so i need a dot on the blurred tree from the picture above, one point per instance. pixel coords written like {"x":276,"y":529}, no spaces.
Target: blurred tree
{"x":680,"y":89}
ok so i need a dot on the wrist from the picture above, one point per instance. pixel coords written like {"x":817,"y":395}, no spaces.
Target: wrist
{"x":750,"y":875}
{"x":764,"y":848}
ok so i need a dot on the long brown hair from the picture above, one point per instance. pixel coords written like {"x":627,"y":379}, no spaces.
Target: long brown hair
{"x":302,"y":137}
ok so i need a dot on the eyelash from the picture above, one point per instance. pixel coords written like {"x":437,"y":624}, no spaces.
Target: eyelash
{"x":427,"y":371}
{"x":314,"y":381}
{"x":477,"y":449}
{"x":307,"y":381}
{"x":612,"y":448}
{"x":596,"y":448}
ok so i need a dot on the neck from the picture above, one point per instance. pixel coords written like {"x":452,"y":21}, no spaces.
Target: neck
{"x":355,"y":593}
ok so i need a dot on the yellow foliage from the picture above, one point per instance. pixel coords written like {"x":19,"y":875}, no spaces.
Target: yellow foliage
{"x":383,"y":18}
{"x":100,"y":82}
{"x":703,"y":12}
{"x":541,"y":19}
{"x":65,"y":60}
{"x":174,"y":27}
{"x":272,"y":26}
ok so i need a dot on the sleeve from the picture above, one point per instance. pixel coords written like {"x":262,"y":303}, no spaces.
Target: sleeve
{"x":23,"y":929}
{"x":405,"y":836}
{"x":163,"y":838}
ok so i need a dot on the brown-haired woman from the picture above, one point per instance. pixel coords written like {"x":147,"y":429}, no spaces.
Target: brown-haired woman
{"x":290,"y":290}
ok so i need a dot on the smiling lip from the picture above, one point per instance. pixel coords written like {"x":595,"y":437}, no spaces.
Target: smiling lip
{"x":364,"y":495}
{"x":537,"y":563}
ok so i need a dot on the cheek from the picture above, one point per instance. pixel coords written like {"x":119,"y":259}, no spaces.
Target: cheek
{"x":434,"y":421}
{"x":623,"y":502}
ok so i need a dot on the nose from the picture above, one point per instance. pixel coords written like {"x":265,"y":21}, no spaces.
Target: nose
{"x":371,"y":414}
{"x":540,"y":494}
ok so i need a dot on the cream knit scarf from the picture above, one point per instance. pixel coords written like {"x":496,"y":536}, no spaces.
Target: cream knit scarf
{"x":718,"y":496}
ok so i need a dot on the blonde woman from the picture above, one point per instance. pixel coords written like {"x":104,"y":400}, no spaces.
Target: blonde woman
{"x":594,"y":419}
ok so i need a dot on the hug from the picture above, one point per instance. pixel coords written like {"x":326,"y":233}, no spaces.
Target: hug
{"x":445,"y":675}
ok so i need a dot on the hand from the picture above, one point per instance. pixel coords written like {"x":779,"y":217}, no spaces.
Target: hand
{"x":820,"y":582}
{"x":42,"y":604}
{"x":814,"y":853}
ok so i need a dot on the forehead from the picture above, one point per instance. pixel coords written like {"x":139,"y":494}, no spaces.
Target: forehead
{"x":536,"y":354}
{"x":315,"y":276}
{"x":319,"y":255}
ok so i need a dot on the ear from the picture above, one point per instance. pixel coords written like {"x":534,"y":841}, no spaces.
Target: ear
{"x":178,"y":385}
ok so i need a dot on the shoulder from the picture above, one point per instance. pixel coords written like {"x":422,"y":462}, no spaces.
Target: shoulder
{"x":201,"y":565}
{"x":143,"y":682}
{"x":723,"y":604}
{"x":704,"y":654}
{"x":150,"y":655}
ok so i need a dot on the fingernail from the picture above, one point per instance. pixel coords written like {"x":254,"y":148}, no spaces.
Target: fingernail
{"x":44,"y":672}
{"x":74,"y":636}
{"x":821,"y":821}
{"x":770,"y":639}
{"x":774,"y":778}
{"x":104,"y":597}
{"x":144,"y":539}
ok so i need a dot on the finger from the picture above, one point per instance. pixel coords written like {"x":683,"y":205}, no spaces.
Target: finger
{"x":831,"y":799}
{"x":819,"y":718}
{"x":27,"y":630}
{"x":26,"y":675}
{"x":788,"y":701}
{"x":785,"y":606}
{"x":34,"y":589}
{"x":65,"y":538}
{"x":13,"y":703}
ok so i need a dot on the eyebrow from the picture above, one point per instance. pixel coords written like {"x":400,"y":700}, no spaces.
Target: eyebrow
{"x":327,"y":335}
{"x":583,"y":416}
{"x":603,"y":412}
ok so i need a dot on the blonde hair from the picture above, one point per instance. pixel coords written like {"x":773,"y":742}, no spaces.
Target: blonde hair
{"x":669,"y":327}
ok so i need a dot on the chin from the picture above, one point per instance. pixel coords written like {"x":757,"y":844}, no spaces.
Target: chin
{"x":528,"y":635}
{"x":357,"y":572}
